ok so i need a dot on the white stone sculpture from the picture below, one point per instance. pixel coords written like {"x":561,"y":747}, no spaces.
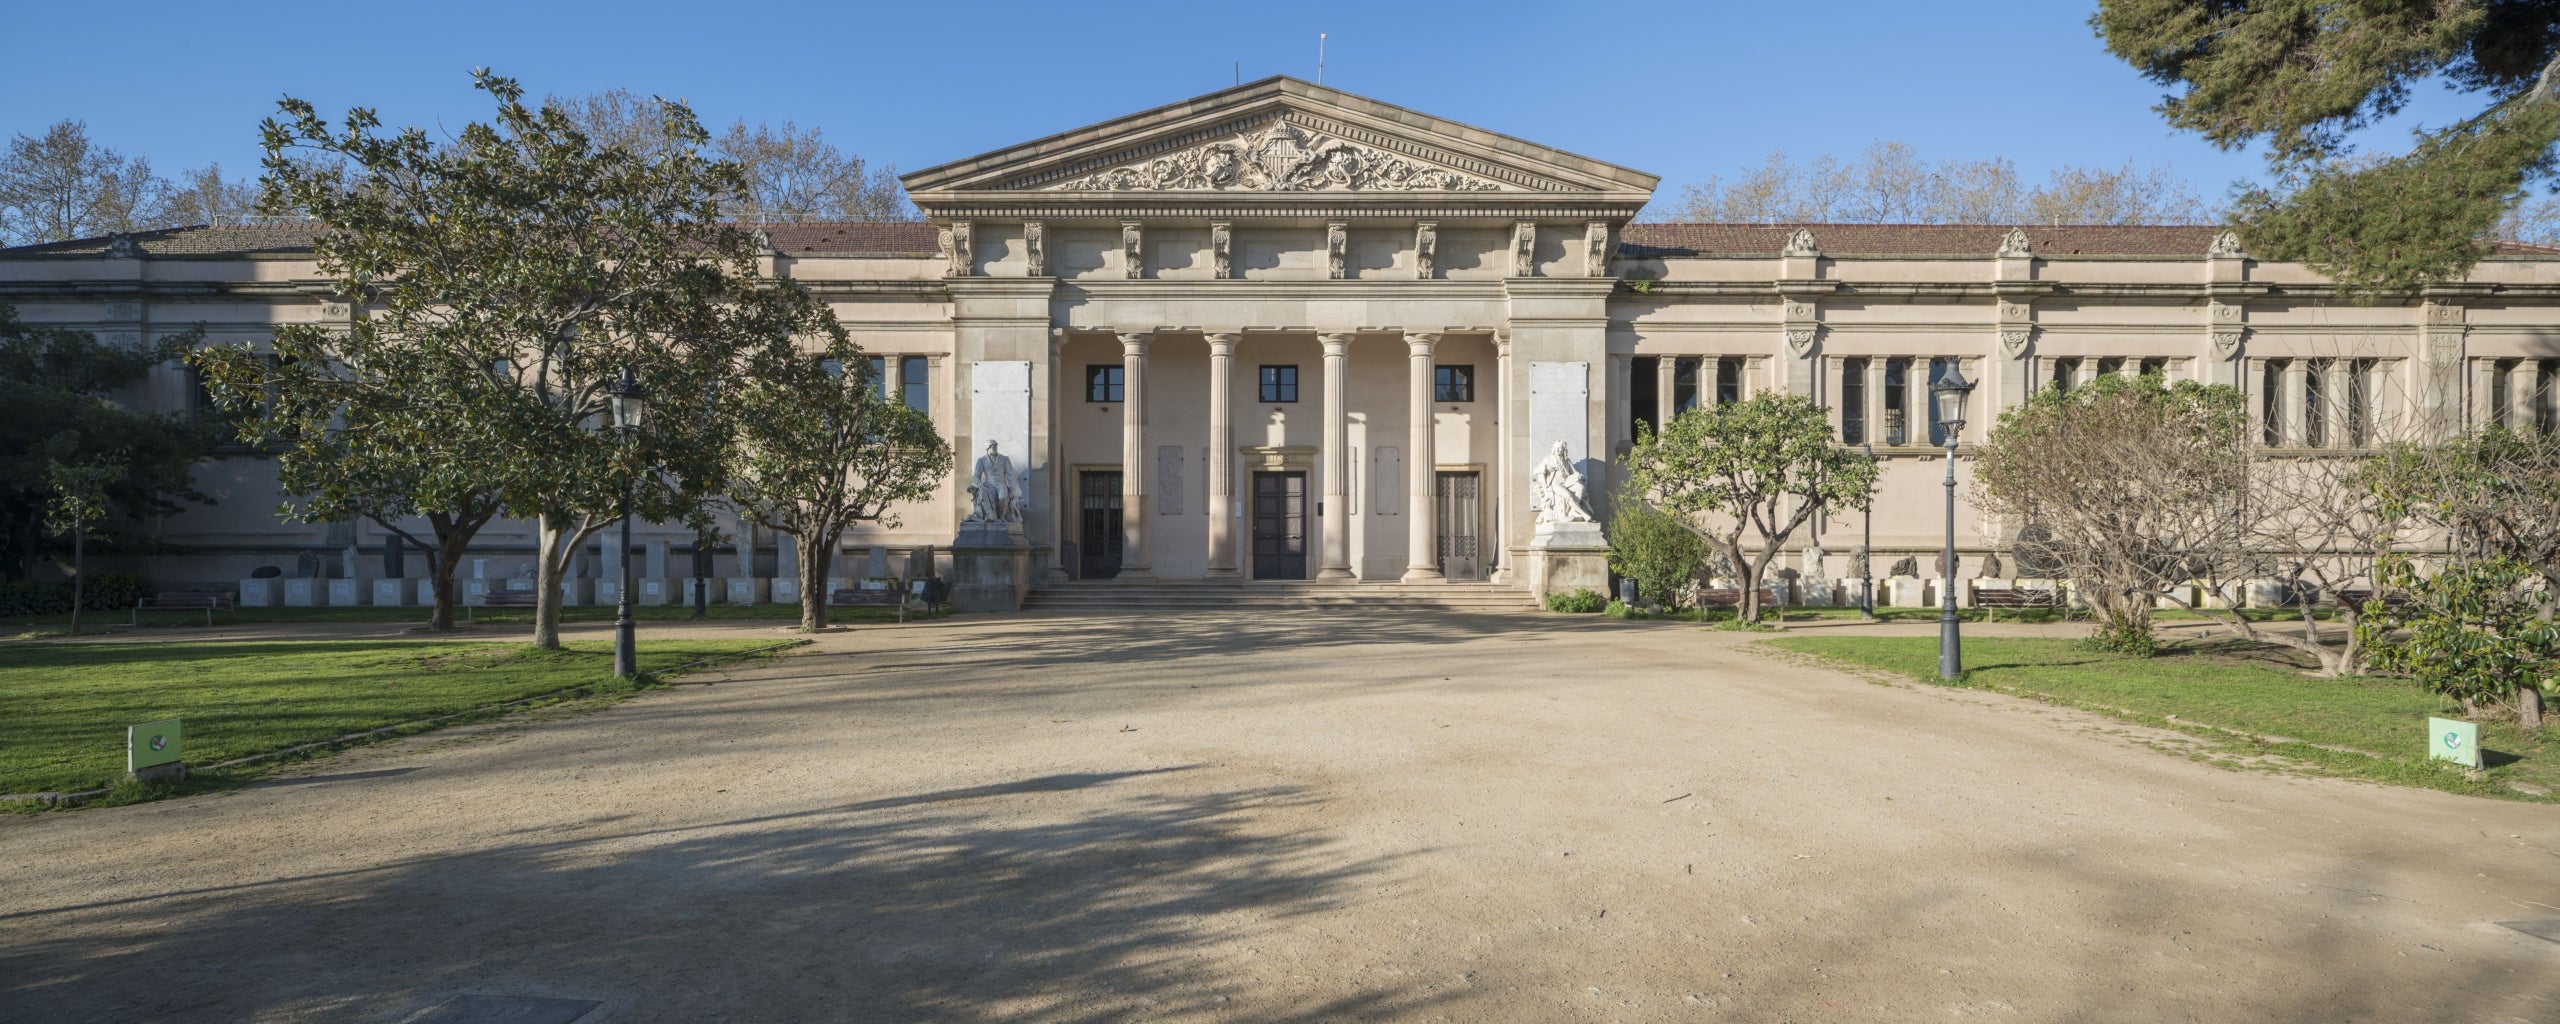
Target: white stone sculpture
{"x":994,"y":495}
{"x":1278,"y":157}
{"x":1558,"y":490}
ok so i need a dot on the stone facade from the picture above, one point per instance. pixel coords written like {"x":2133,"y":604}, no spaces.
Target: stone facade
{"x":1406,"y":313}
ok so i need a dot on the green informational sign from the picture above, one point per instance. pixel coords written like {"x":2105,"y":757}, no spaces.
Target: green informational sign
{"x":151,"y":745}
{"x":2449,"y":740}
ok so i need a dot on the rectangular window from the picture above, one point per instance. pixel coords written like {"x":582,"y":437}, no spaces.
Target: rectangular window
{"x":2499,"y":400}
{"x":2546,"y":412}
{"x":916,"y":380}
{"x":2155,"y":368}
{"x":1853,"y":401}
{"x":1102,"y":383}
{"x":2360,"y":402}
{"x":1897,"y":410}
{"x":2110,"y":367}
{"x":2066,"y":372}
{"x":880,"y":375}
{"x":1728,"y":381}
{"x":1279,"y":383}
{"x":1684,"y":385}
{"x":1453,"y":383}
{"x":1644,"y":402}
{"x":2316,"y":413}
{"x":2271,"y":402}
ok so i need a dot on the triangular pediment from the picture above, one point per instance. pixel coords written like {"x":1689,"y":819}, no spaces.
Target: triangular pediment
{"x":1279,"y":137}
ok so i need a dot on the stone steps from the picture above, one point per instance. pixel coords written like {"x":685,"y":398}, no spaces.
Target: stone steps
{"x":1202,"y":596}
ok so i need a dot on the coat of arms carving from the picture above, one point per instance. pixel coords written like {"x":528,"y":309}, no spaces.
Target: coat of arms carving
{"x":1278,"y":157}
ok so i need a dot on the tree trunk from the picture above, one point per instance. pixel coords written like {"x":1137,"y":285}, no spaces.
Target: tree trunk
{"x":546,"y":582}
{"x":2529,"y":706}
{"x":440,"y":582}
{"x":452,"y":543}
{"x":79,"y":572}
{"x":813,"y":578}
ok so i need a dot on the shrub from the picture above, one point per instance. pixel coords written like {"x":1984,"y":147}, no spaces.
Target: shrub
{"x":113,"y":591}
{"x":1652,"y":547}
{"x":1578,"y":602}
{"x":28,"y":597}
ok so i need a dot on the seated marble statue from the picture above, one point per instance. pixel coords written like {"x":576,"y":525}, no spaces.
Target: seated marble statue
{"x":1557,"y":489}
{"x":994,"y":495}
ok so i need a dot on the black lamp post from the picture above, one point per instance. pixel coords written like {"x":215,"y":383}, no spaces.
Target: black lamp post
{"x":1867,"y":548}
{"x":629,"y":402}
{"x":1949,"y":391}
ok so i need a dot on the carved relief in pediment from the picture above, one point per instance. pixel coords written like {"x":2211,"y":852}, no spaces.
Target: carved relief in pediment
{"x":1277,"y":157}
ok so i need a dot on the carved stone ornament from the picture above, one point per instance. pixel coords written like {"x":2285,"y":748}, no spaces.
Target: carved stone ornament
{"x":1035,"y":249}
{"x":1133,"y":249}
{"x":2015,"y":312}
{"x":1337,"y":250}
{"x":2441,"y":315}
{"x":1426,"y":248}
{"x":1278,"y":157}
{"x":1800,"y":244}
{"x":959,"y":247}
{"x":1556,"y":489}
{"x":1221,"y":252}
{"x":1595,"y":249}
{"x":124,"y":311}
{"x":2015,"y":244}
{"x":2226,"y":341}
{"x":764,"y":243}
{"x":1797,"y":310}
{"x":1524,"y":249}
{"x":2226,"y":246}
{"x":2224,"y":312}
{"x":1800,"y":339}
{"x":122,"y":246}
{"x":333,"y":310}
{"x":2013,"y":340}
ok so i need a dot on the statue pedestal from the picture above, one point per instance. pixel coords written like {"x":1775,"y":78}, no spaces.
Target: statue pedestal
{"x":1565,"y":557}
{"x":990,"y":567}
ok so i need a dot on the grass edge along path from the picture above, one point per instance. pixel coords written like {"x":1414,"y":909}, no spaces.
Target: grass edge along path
{"x":275,"y":702}
{"x":2242,"y":713}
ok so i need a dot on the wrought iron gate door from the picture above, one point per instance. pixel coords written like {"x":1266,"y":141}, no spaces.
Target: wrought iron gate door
{"x":1098,"y":534}
{"x":1460,"y":508}
{"x":1279,"y":526}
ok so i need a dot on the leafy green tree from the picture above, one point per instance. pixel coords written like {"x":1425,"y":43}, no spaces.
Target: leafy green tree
{"x":361,"y":424}
{"x":2305,"y":76}
{"x":1654,"y":548}
{"x":56,"y":407}
{"x":1763,"y":466}
{"x":2473,"y":630}
{"x":79,"y":502}
{"x":2140,"y":487}
{"x":522,"y":267}
{"x":821,"y":448}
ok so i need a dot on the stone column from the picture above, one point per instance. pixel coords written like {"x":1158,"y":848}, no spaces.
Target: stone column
{"x":1061,"y":490}
{"x":2340,"y":396}
{"x":1665,"y":368}
{"x":1502,"y":470}
{"x":1134,"y":563}
{"x":2292,"y":402}
{"x":1422,"y":555}
{"x":2520,"y":395}
{"x":1875,"y":400}
{"x":1336,"y":520}
{"x":1222,"y":447}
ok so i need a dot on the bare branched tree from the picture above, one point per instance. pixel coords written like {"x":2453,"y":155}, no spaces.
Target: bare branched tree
{"x":792,"y":173}
{"x":1893,"y":184}
{"x":61,"y":185}
{"x":204,"y":196}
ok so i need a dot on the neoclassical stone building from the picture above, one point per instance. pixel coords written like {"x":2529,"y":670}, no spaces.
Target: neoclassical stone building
{"x":1285,"y":332}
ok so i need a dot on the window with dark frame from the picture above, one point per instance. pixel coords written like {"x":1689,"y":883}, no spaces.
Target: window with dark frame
{"x":880,"y":375}
{"x":1279,"y":383}
{"x":1897,"y":408}
{"x":1454,"y":382}
{"x":915,"y":377}
{"x":1728,"y":380}
{"x":1102,"y":383}
{"x":1853,"y":401}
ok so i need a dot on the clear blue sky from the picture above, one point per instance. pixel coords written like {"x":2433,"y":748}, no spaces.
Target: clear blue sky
{"x":1683,"y":90}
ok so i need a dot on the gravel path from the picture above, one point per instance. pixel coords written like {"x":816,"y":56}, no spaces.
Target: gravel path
{"x":1301,"y":818}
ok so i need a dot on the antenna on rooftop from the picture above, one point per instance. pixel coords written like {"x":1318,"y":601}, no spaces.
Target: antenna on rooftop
{"x":1320,"y":58}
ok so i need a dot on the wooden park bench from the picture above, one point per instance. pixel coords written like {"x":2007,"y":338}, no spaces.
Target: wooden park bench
{"x":511,"y":599}
{"x":1731,"y":597}
{"x":857,"y":597}
{"x":1991,"y":601}
{"x":206,"y":601}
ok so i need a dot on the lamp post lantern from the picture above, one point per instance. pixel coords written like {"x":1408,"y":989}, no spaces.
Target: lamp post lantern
{"x":1867,"y":547}
{"x":629,"y":403}
{"x":1949,"y":391}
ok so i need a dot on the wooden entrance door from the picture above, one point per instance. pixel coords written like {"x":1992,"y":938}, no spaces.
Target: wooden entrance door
{"x":1459,"y":506}
{"x":1279,"y":526}
{"x":1098,"y":535}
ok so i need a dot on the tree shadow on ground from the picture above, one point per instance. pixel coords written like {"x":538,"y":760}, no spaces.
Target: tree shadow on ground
{"x":1051,"y":640}
{"x":1052,"y":899}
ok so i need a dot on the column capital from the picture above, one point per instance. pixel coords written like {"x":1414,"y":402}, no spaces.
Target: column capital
{"x":1421,"y":343}
{"x":1335,"y":342}
{"x":1221,"y":343}
{"x":1134,"y":343}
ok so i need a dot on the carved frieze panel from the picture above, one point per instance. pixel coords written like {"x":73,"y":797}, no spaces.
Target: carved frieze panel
{"x":1222,"y":263}
{"x":123,"y":310}
{"x":1133,"y":260}
{"x":1800,"y":339}
{"x":1035,"y":249}
{"x":1337,"y":243}
{"x":1426,"y":248}
{"x":1278,"y":156}
{"x":333,"y":310}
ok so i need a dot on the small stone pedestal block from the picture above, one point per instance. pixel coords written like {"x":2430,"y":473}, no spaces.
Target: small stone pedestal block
{"x":750,"y":590}
{"x":1565,"y":557}
{"x":690,"y":584}
{"x":575,"y":592}
{"x":1906,"y":592}
{"x":395,"y":593}
{"x":260,"y":593}
{"x":348,"y":593}
{"x":304,"y":593}
{"x":786,"y":590}
{"x":990,"y":568}
{"x":475,"y":593}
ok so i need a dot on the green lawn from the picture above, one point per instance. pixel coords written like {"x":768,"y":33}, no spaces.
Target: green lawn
{"x":68,"y":703}
{"x":2379,"y":723}
{"x":122,"y":621}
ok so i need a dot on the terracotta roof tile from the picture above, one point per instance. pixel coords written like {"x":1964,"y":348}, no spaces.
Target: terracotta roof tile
{"x":1963,"y":241}
{"x":831,"y":238}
